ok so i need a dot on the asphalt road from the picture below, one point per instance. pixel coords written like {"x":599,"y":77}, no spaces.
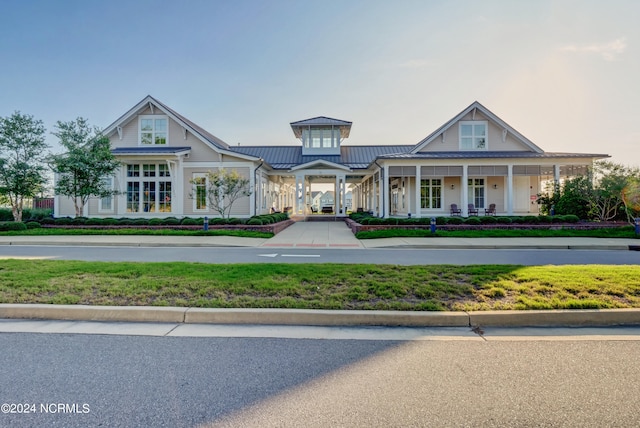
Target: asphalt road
{"x":282,"y":255}
{"x":456,"y":378}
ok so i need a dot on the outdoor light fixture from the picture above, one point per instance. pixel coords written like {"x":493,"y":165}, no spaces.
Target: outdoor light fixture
{"x":495,"y":186}
{"x":453,"y":186}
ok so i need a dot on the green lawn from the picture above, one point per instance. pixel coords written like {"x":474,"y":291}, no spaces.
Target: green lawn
{"x":326,"y":286}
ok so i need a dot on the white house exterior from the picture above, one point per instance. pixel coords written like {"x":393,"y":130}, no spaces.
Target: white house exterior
{"x":474,"y":158}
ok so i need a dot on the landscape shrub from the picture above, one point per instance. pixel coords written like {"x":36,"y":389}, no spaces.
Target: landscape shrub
{"x":391,"y":221}
{"x":141,"y":222}
{"x":544,"y":219}
{"x":6,"y":215}
{"x":63,"y":221}
{"x":11,"y":225}
{"x":376,"y":221}
{"x":503,"y":220}
{"x":35,"y":214}
{"x":170,"y":221}
{"x":455,"y":220}
{"x":570,"y":218}
{"x":472,"y":221}
{"x":32,"y":225}
{"x":234,"y":221}
{"x":125,"y":222}
{"x":109,"y":221}
{"x":189,"y":222}
{"x":155,"y":222}
{"x":94,"y":222}
{"x":254,"y":222}
{"x":517,"y":220}
{"x":217,"y":220}
{"x":488,"y":220}
{"x":531,"y":219}
{"x":48,"y":220}
{"x":79,"y":220}
{"x":441,"y":220}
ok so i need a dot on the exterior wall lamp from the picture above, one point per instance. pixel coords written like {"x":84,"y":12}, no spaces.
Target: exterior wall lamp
{"x":453,"y":186}
{"x":495,"y":186}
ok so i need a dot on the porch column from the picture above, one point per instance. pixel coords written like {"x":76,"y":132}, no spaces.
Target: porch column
{"x":178,"y":177}
{"x":343,"y":194}
{"x":299,"y":194}
{"x":122,"y":197}
{"x":510,"y":189}
{"x":385,"y":192}
{"x":375,"y":202}
{"x":465,"y":191}
{"x":418,"y":194}
{"x":556,"y":174}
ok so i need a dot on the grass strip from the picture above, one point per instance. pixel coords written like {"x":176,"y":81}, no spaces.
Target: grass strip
{"x":320,"y":286}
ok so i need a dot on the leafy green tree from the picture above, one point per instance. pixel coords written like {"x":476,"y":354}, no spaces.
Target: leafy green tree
{"x":221,"y":189}
{"x":85,"y":165}
{"x":22,"y":154}
{"x":575,"y":197}
{"x":606,"y":199}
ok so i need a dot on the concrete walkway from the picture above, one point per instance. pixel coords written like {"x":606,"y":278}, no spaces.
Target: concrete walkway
{"x":322,"y":234}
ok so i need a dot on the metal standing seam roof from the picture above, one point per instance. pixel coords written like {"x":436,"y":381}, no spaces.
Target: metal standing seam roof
{"x":492,"y":155}
{"x":149,"y":150}
{"x":287,"y":157}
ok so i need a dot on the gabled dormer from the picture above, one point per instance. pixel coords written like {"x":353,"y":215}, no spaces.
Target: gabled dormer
{"x":321,"y":135}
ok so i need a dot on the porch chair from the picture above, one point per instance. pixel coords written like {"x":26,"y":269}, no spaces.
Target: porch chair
{"x":472,"y":209}
{"x":491,"y":210}
{"x":455,"y":210}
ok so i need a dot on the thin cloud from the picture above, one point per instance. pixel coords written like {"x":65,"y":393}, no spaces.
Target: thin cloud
{"x":608,"y":51}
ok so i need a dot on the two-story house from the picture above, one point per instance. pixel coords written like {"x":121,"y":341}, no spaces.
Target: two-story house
{"x":474,"y":158}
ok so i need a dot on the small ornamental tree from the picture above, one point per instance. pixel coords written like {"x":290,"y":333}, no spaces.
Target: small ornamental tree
{"x":22,"y":152}
{"x":84,"y":167}
{"x":220,"y":189}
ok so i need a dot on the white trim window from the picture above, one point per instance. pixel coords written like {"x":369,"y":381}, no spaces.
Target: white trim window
{"x":473,"y":135}
{"x":476,"y":192}
{"x":153,"y":130}
{"x":106,"y":204}
{"x":149,"y":188}
{"x":431,"y":193}
{"x":200,"y":200}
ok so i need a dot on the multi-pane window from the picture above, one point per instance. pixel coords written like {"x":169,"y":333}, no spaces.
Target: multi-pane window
{"x":473,"y":135}
{"x":148,"y":188}
{"x":133,"y":196}
{"x":431,"y":193}
{"x":321,"y":137}
{"x":200,"y":193}
{"x":153,"y":130}
{"x":476,"y":192}
{"x":106,"y":203}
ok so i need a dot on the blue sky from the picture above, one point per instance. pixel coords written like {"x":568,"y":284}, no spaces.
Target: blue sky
{"x":566,"y":74}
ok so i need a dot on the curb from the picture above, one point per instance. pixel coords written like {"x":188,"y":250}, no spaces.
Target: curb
{"x":555,"y":318}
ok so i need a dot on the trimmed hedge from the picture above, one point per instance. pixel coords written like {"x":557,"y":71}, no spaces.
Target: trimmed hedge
{"x":32,"y":225}
{"x":11,"y":225}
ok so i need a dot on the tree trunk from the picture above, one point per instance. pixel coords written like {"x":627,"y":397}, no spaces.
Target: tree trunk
{"x":79,"y":206}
